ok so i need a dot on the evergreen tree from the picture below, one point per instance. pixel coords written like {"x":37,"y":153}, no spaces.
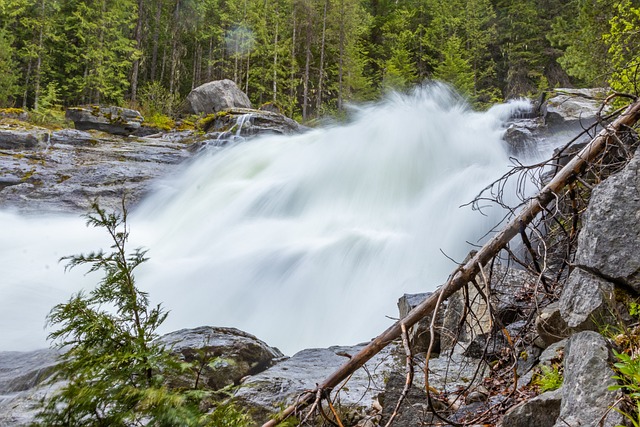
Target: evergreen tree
{"x":112,"y":364}
{"x":8,"y":75}
{"x":454,"y":68}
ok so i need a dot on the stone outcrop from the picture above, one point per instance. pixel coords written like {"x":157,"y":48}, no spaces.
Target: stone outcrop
{"x":216,"y":96}
{"x":586,"y":398}
{"x":610,"y":237}
{"x":77,"y":167}
{"x":221,"y":356}
{"x":113,"y":120}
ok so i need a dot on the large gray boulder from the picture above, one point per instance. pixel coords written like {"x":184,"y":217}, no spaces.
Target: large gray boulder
{"x":114,"y":120}
{"x":216,"y":96}
{"x":586,"y":301}
{"x":586,"y":398}
{"x":610,"y":237}
{"x":541,"y":411}
{"x":220,"y":356}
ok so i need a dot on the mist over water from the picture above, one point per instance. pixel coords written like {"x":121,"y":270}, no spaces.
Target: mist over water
{"x":304,"y":241}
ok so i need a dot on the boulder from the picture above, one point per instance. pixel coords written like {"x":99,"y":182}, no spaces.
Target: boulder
{"x":267,"y":393}
{"x":609,"y":240}
{"x":216,"y":96}
{"x":541,"y":411}
{"x":114,"y":120}
{"x":221,"y":356}
{"x":23,"y":139}
{"x":550,"y":325}
{"x":244,"y":122}
{"x":586,"y":398}
{"x":73,"y":137}
{"x":586,"y":301}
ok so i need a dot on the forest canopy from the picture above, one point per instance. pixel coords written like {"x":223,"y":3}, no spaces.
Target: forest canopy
{"x":308,"y":57}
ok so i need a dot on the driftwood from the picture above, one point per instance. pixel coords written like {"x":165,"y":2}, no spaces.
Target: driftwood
{"x":466,"y":272}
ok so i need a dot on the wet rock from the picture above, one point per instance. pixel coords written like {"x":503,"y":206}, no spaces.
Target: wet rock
{"x":81,"y":166}
{"x":586,"y":398}
{"x":20,"y":371}
{"x":541,"y":411}
{"x":244,"y":122}
{"x":279,"y":386}
{"x":573,"y":105}
{"x":609,"y":240}
{"x":216,"y":96}
{"x":113,"y":120}
{"x":221,"y":356}
{"x":21,"y":377}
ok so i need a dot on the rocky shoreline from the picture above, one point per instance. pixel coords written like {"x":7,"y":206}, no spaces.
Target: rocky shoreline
{"x":476,"y":367}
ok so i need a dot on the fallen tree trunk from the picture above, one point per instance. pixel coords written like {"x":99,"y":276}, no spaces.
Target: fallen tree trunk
{"x":470,"y":269}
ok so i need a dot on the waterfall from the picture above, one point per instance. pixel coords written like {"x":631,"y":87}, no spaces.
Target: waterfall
{"x":304,"y":241}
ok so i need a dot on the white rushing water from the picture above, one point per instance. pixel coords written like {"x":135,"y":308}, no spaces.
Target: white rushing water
{"x":304,"y":241}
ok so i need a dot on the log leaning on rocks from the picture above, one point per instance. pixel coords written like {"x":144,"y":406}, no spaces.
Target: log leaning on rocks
{"x":471,"y":268}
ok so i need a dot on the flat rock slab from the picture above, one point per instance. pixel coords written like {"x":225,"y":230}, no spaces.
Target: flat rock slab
{"x":75,"y":167}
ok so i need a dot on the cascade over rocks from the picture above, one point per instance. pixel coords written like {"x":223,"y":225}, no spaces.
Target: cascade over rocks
{"x":216,"y":96}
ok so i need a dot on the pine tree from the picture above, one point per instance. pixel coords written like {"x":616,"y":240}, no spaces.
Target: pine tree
{"x":454,"y":68}
{"x":8,"y":76}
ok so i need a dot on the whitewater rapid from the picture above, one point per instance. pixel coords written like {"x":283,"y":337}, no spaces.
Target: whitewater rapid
{"x":304,"y":241}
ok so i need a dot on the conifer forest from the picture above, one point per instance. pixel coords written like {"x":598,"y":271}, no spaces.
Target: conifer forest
{"x":309,"y":57}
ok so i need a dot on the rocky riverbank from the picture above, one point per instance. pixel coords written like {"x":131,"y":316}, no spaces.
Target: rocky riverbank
{"x":490,"y":356}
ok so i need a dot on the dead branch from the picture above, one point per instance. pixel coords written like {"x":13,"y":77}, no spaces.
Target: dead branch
{"x":470,"y":269}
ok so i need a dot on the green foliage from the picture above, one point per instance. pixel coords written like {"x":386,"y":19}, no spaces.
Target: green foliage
{"x":628,"y":376}
{"x":454,"y":68}
{"x":8,"y":75}
{"x":623,"y":40}
{"x":114,"y":367}
{"x":550,"y":378}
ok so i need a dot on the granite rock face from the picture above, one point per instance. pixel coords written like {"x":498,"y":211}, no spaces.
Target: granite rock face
{"x":609,"y":241}
{"x":586,"y":398}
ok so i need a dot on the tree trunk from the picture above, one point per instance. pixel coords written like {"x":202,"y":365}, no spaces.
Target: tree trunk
{"x":275,"y":56}
{"x":307,"y":67}
{"x":322,"y":46}
{"x":136,"y":63}
{"x":156,"y":37}
{"x":470,"y":269}
{"x":341,"y":55}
